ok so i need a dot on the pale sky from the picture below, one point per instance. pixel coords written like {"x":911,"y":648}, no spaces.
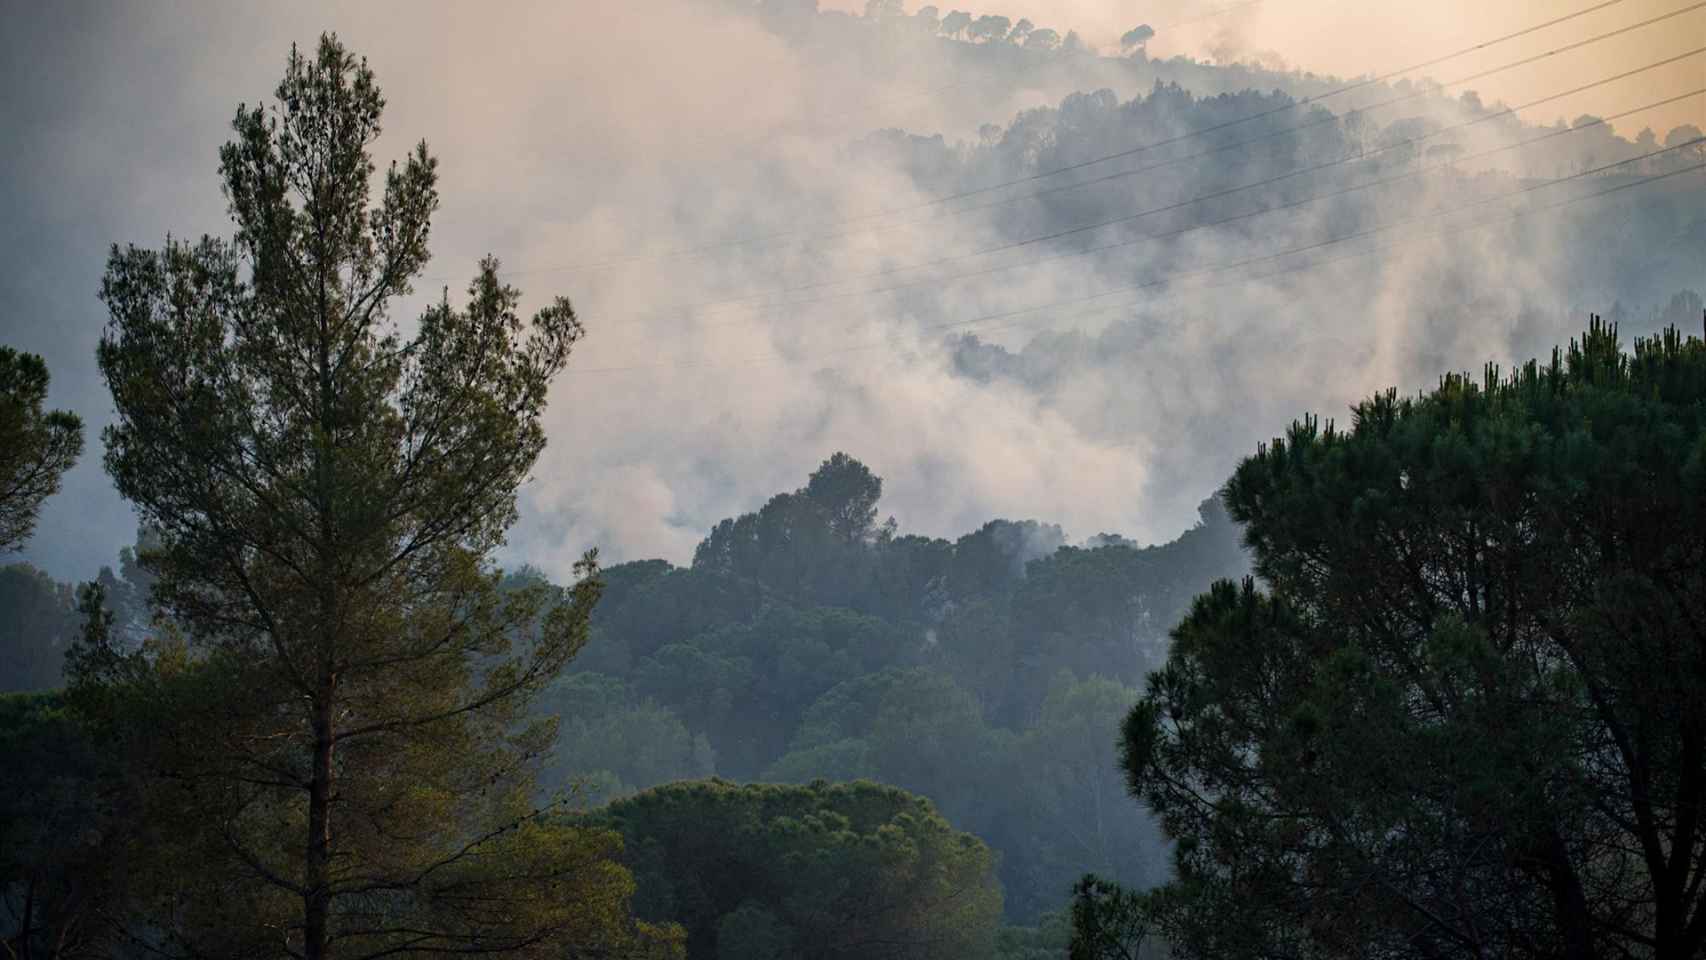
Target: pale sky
{"x":1357,"y":37}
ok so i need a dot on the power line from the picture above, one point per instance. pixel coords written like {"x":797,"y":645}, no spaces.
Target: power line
{"x":1326,"y":119}
{"x":1494,"y":221}
{"x":1234,"y":218}
{"x":1290,"y":205}
{"x":1346,"y":89}
{"x":701,"y":249}
{"x":1043,"y":60}
{"x":706,"y":306}
{"x":1171,"y":278}
{"x":1515,"y":215}
{"x":1239,"y":281}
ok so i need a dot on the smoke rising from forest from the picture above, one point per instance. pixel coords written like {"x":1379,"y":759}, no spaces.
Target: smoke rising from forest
{"x":574,"y":137}
{"x":925,"y":429}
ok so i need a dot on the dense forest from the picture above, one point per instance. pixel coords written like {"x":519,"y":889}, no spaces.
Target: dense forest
{"x":1424,"y":681}
{"x":809,"y":641}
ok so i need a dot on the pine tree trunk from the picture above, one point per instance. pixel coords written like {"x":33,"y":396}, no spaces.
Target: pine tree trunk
{"x":317,"y":900}
{"x":1569,"y":899}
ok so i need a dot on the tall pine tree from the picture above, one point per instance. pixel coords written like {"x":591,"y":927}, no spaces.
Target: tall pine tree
{"x":339,"y":735}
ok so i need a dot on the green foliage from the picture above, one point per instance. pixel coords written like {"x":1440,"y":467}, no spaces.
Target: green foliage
{"x":609,"y":746}
{"x":847,"y":492}
{"x":987,"y":673}
{"x":913,"y":728}
{"x":752,"y":932}
{"x":747,"y":684}
{"x":37,"y":446}
{"x":649,"y":604}
{"x":991,"y":561}
{"x":1468,"y":715}
{"x":1049,"y":798}
{"x":333,"y":722}
{"x":65,"y":829}
{"x":40,"y":619}
{"x":1108,"y":921}
{"x":38,"y":623}
{"x":1048,"y":940}
{"x":812,"y":872}
{"x":1069,"y":778}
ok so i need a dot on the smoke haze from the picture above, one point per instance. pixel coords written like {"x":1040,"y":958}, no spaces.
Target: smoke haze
{"x":690,"y":173}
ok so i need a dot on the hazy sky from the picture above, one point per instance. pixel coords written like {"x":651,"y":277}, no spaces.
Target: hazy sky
{"x":1371,"y":37}
{"x":570,"y":131}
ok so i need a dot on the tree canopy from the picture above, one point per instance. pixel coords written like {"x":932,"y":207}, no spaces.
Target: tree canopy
{"x":1465,"y":713}
{"x":334,"y":715}
{"x":1459,"y":711}
{"x":40,"y":623}
{"x":66,"y":833}
{"x":815,"y":872}
{"x":984,"y":673}
{"x":37,"y":445}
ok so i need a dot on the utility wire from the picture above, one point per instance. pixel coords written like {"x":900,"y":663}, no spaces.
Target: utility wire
{"x":1308,"y":101}
{"x":710,"y":305}
{"x":1171,"y":278}
{"x":712,"y":246}
{"x":1041,"y":60}
{"x":1357,"y":254}
{"x":1326,"y":119}
{"x":1168,"y":279}
{"x":1293,"y":204}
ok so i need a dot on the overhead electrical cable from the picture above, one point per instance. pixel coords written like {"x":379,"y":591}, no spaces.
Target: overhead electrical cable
{"x":1325,"y":120}
{"x":711,"y":305}
{"x":1041,"y":60}
{"x":805,"y":231}
{"x":1171,"y":278}
{"x":1289,"y":205}
{"x":1310,"y":101}
{"x":1358,"y":254}
{"x":1024,"y":314}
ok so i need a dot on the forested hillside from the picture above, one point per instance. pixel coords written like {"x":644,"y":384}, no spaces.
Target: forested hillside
{"x":1116,"y":249}
{"x":992,"y":495}
{"x":809,"y":640}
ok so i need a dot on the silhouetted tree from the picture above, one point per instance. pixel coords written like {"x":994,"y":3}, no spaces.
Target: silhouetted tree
{"x":989,"y":28}
{"x":1043,"y":39}
{"x":38,"y":622}
{"x":1466,"y":716}
{"x":37,"y":446}
{"x":1109,"y":922}
{"x":1135,"y":38}
{"x":847,"y":491}
{"x":956,"y":22}
{"x":336,"y":720}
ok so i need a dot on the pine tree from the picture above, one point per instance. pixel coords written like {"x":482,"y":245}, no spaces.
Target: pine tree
{"x":36,"y":446}
{"x":339,"y":731}
{"x":1465,"y":713}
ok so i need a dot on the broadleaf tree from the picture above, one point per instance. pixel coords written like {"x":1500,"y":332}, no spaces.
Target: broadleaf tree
{"x":342,"y":723}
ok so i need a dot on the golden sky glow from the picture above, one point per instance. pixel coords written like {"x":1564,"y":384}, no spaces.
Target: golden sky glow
{"x":1357,"y":37}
